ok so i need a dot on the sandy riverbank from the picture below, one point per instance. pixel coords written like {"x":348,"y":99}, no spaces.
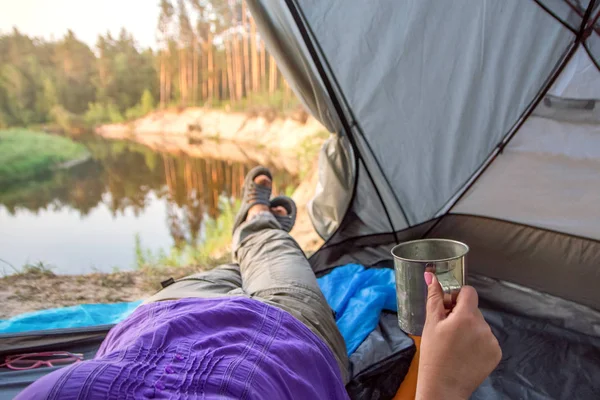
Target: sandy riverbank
{"x":217,"y":134}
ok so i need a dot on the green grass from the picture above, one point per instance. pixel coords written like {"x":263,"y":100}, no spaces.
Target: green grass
{"x":25,"y":154}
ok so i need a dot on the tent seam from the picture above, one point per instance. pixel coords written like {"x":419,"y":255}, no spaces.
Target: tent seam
{"x":523,"y":225}
{"x":589,"y":52}
{"x":539,"y":3}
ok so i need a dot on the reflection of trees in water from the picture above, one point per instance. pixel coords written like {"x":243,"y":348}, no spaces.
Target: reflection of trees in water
{"x":78,"y":188}
{"x":123,"y":175}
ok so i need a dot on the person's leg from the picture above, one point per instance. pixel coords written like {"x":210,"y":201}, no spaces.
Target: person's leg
{"x":218,"y":282}
{"x":274,"y":269}
{"x":226,"y":279}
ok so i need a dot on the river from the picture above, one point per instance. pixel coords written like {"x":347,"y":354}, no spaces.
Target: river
{"x":89,"y":217}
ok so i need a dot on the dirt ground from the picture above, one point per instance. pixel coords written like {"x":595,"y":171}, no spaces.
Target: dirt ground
{"x":39,"y":288}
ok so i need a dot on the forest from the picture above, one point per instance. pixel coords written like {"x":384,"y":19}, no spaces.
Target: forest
{"x":209,"y":54}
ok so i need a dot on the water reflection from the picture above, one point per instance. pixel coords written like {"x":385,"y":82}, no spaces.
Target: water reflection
{"x":126,"y":181}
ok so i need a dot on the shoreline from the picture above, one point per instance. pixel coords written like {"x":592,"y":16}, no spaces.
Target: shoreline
{"x":217,"y":134}
{"x":71,"y":163}
{"x":281,"y":143}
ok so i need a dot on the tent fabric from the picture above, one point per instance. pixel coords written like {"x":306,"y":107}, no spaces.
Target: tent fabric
{"x":569,"y":12}
{"x":334,"y":189}
{"x":554,"y":167}
{"x":13,"y":382}
{"x":592,"y":43}
{"x":368,"y":215}
{"x":69,"y":317}
{"x":579,"y":80}
{"x":547,"y":261}
{"x":552,"y":163}
{"x":440,"y":90}
{"x":540,"y":361}
{"x":369,"y":192}
{"x":381,"y":362}
{"x":366,"y":250}
{"x":516,"y":299}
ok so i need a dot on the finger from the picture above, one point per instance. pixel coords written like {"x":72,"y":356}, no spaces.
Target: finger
{"x":435,"y":298}
{"x":467,"y":300}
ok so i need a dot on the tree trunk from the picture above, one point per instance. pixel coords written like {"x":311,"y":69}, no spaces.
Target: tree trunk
{"x":210,"y":68}
{"x":182,"y":78}
{"x":254,"y":54}
{"x":229,"y":66}
{"x":195,"y":74}
{"x":168,"y":75}
{"x":223,"y":84}
{"x":272,"y":75}
{"x":237,"y":66}
{"x":205,"y":86}
{"x":162,"y":80}
{"x":180,"y":75}
{"x":190,"y":74}
{"x":204,"y":74}
{"x":245,"y":48}
{"x":263,"y":65}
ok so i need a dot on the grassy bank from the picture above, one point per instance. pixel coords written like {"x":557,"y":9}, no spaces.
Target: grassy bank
{"x":25,"y":154}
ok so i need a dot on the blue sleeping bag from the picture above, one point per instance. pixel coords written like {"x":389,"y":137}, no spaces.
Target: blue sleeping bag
{"x":358,"y":295}
{"x":69,"y":317}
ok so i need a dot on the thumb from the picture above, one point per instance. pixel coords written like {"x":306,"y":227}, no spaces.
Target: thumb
{"x":435,"y":298}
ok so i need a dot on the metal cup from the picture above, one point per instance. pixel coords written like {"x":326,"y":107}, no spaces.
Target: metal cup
{"x":443,"y":257}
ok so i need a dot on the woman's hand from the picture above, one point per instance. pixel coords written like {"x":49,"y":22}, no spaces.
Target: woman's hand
{"x":458,"y":349}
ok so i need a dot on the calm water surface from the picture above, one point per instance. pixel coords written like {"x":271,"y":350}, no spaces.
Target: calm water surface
{"x":87,"y":218}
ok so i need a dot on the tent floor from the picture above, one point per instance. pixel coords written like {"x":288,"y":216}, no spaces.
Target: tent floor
{"x":540,"y":361}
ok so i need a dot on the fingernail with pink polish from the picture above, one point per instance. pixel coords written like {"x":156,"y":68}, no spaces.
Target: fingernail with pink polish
{"x":428,"y":278}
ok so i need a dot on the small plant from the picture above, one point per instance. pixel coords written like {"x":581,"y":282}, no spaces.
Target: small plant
{"x":142,"y":256}
{"x":207,"y":253}
{"x":10,"y":266}
{"x":38,"y":268}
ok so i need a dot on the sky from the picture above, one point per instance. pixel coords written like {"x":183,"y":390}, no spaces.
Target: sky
{"x":87,"y":18}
